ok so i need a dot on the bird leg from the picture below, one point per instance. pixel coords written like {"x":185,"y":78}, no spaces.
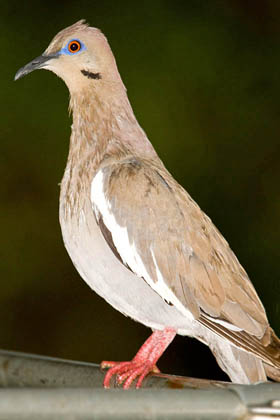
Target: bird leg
{"x":143,"y":362}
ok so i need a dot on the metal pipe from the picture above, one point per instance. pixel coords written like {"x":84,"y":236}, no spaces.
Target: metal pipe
{"x":33,"y":387}
{"x":22,"y":369}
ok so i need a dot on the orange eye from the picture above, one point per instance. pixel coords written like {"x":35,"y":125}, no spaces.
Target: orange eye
{"x":74,"y":46}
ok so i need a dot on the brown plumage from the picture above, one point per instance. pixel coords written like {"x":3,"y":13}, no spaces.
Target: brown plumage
{"x":136,"y":236}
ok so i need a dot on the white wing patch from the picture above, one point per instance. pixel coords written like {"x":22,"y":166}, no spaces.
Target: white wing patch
{"x":127,"y":249}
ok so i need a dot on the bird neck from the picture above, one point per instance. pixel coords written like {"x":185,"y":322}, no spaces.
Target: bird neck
{"x":104,"y":124}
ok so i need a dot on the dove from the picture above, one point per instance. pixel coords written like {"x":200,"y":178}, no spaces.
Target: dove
{"x":136,"y":236}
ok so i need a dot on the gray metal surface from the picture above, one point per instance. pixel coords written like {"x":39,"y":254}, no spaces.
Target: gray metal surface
{"x":36,"y":387}
{"x":26,"y":404}
{"x":29,"y":370}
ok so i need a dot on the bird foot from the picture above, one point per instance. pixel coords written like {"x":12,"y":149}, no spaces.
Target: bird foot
{"x":127,"y":372}
{"x":142,"y":364}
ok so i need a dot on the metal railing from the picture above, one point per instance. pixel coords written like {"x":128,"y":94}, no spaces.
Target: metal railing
{"x":36,"y":387}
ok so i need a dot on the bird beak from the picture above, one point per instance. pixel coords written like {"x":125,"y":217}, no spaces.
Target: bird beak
{"x":35,"y":64}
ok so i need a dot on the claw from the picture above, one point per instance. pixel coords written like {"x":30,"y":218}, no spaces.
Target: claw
{"x":106,"y":364}
{"x":122,"y":377}
{"x":127,"y":372}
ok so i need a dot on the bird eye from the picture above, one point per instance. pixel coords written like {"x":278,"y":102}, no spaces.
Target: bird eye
{"x":74,"y":46}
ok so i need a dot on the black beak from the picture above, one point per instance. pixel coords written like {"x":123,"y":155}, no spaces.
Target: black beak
{"x":35,"y":64}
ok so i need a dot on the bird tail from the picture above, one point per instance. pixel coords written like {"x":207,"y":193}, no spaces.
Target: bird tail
{"x":272,"y":372}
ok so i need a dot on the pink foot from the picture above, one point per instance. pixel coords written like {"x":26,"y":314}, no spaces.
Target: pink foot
{"x":143,"y":363}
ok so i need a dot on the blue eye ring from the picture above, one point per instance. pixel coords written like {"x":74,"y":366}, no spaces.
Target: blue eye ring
{"x":74,"y":46}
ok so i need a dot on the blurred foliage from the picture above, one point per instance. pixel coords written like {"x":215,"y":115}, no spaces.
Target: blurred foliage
{"x":203,"y":79}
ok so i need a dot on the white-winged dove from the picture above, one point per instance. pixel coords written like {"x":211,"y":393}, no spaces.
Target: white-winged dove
{"x":136,"y":236}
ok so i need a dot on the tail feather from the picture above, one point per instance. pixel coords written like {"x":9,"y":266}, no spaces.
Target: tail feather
{"x":241,"y":367}
{"x":272,"y":372}
{"x":252,"y":367}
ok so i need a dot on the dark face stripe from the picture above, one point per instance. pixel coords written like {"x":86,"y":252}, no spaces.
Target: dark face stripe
{"x":91,"y":75}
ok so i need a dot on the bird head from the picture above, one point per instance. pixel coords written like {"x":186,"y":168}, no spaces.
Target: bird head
{"x":80,"y":55}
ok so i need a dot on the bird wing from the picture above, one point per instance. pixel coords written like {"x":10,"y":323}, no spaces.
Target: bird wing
{"x":154,"y":227}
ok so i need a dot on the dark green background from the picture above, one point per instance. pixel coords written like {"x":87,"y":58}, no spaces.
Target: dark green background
{"x":203,"y":79}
